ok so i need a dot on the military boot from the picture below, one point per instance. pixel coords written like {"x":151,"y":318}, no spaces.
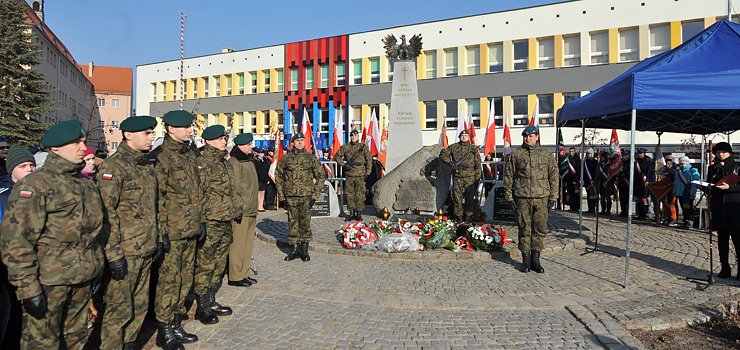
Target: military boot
{"x":129,"y":346}
{"x":180,"y":333}
{"x":166,"y":338}
{"x":358,"y":215}
{"x":203,"y":313}
{"x":295,"y":251}
{"x":536,"y":267}
{"x":525,"y":262}
{"x":217,"y":308}
{"x":304,"y":252}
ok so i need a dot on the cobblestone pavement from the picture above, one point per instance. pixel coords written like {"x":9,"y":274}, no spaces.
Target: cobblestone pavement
{"x":339,"y":301}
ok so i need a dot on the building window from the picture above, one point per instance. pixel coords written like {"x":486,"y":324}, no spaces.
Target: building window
{"x":280,"y":120}
{"x":689,"y":29}
{"x":228,"y":85}
{"x":451,"y":62}
{"x":241,"y":83}
{"x":279,"y":80}
{"x":323,"y":129}
{"x":431,"y":65}
{"x":267,"y":81}
{"x":253,"y":79}
{"x":239,"y":118}
{"x":309,"y":78}
{"x":356,"y":119}
{"x":293,"y":79}
{"x":660,"y":39}
{"x":164,"y":91}
{"x":572,"y":51}
{"x":375,"y":70}
{"x":498,"y":105}
{"x":571,"y":96}
{"x":474,"y":110}
{"x":521,"y":55}
{"x":101,"y":102}
{"x":600,"y":48}
{"x":357,"y":72}
{"x":341,"y":74}
{"x":174,"y":90}
{"x":265,"y":122}
{"x":101,"y":124}
{"x":324,"y":76}
{"x":114,"y":125}
{"x":545,"y":109}
{"x":495,"y":58}
{"x":629,"y":45}
{"x":101,"y":145}
{"x":521,"y":110}
{"x":431,"y":115}
{"x":451,"y":113}
{"x":205,"y":87}
{"x":546,"y":53}
{"x":115,"y":103}
{"x":473,"y":59}
{"x":113,"y":146}
{"x":253,"y":121}
{"x":218,"y":85}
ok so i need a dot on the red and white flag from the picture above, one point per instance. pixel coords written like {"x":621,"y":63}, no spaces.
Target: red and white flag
{"x":507,"y":137}
{"x":278,"y":155}
{"x":307,"y":130}
{"x":462,"y":124}
{"x":373,"y":135}
{"x":338,"y":137}
{"x":614,"y":144}
{"x":471,"y":128}
{"x":489,"y":142}
{"x":536,"y":120}
{"x":366,"y":128}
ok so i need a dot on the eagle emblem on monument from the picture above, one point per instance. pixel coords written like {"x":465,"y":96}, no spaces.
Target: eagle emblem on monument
{"x":402,"y":51}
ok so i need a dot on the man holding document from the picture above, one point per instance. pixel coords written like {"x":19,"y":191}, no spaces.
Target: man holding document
{"x":725,"y":204}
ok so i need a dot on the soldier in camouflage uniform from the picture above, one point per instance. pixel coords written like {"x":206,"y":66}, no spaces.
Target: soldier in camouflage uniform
{"x":181,"y":219}
{"x":357,"y":162}
{"x":217,"y":184}
{"x":531,"y":188}
{"x":464,"y":159}
{"x":128,"y":187}
{"x":299,"y":178}
{"x":49,"y":244}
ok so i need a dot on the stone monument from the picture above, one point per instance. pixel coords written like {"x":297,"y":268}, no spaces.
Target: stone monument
{"x":327,"y":204}
{"x":404,"y":121}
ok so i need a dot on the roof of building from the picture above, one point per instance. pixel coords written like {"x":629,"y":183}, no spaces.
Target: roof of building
{"x":112,"y":80}
{"x":33,"y":18}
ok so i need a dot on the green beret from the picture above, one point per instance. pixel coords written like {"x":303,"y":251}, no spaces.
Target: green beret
{"x":63,"y":133}
{"x":464,"y":132}
{"x":178,"y":118}
{"x":354,"y":132}
{"x":298,"y":135}
{"x":213,"y":132}
{"x":138,"y":123}
{"x":34,"y":149}
{"x":530,"y":130}
{"x":243,"y":139}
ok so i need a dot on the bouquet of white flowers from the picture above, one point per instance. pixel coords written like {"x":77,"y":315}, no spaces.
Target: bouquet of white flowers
{"x":484,"y":238}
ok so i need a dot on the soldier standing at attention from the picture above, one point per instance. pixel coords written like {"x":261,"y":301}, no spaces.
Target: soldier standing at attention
{"x":299,"y":178}
{"x":217,"y":184}
{"x":531,"y":188}
{"x":246,"y":188}
{"x":355,"y":158}
{"x":464,"y":160}
{"x":181,"y":219}
{"x":128,"y":187}
{"x":49,"y":246}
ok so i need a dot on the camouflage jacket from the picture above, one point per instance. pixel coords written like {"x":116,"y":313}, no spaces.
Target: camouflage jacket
{"x":531,"y":172}
{"x":363,"y":162}
{"x":463,"y":150}
{"x":50,"y":227}
{"x":296,"y":173}
{"x":245,"y":183}
{"x":128,"y":187}
{"x":217,"y":183}
{"x":180,"y":197}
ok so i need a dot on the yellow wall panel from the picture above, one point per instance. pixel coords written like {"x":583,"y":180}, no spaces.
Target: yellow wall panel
{"x":421,"y":66}
{"x":201,"y":88}
{"x":422,"y":114}
{"x":557,"y":104}
{"x":274,"y":80}
{"x":224,"y":84}
{"x":532,"y":61}
{"x":234,"y":83}
{"x":261,"y":81}
{"x":508,"y":56}
{"x":384,"y":70}
{"x":709,"y":21}
{"x":508,"y":106}
{"x":365,"y":111}
{"x":484,"y":112}
{"x":365,"y":76}
{"x":644,"y":44}
{"x":260,"y":118}
{"x":675,"y":34}
{"x":190,"y":92}
{"x":170,"y":87}
{"x":558,"y":45}
{"x":483,"y":58}
{"x":613,"y":45}
{"x":441,"y":63}
{"x":440,"y":114}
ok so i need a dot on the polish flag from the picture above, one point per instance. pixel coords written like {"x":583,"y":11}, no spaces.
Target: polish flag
{"x":338,"y":133}
{"x":462,"y":124}
{"x":507,"y":137}
{"x":278,"y":155}
{"x":536,"y":120}
{"x":490,"y":136}
{"x":373,"y":135}
{"x":471,"y":128}
{"x":307,"y":130}
{"x":365,"y":128}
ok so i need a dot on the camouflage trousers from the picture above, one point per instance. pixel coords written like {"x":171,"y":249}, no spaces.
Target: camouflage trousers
{"x":531,"y":218}
{"x":354,"y":189}
{"x":212,"y":256}
{"x":65,"y":320}
{"x":126,"y":304}
{"x":175,"y":280}
{"x":299,"y":219}
{"x":463,"y":187}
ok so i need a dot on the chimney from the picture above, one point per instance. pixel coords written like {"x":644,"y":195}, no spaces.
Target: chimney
{"x":89,"y":69}
{"x":38,"y":7}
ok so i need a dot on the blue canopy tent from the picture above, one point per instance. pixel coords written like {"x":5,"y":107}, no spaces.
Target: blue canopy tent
{"x":690,"y":89}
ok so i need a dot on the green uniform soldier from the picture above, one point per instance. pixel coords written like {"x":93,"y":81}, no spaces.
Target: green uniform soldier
{"x":531,"y":188}
{"x":128,"y":187}
{"x":355,"y":158}
{"x":217,"y":183}
{"x":247,"y":187}
{"x":299,"y":178}
{"x":49,"y":243}
{"x":181,"y":219}
{"x":464,"y":160}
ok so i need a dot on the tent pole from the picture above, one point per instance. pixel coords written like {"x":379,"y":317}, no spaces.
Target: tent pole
{"x":629,"y":202}
{"x":580,"y":183}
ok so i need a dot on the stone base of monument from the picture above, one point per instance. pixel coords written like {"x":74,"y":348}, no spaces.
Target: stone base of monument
{"x":421,"y":182}
{"x":327,"y":204}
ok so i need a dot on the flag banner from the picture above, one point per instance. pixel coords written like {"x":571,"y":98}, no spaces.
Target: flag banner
{"x":489,"y":141}
{"x":278,"y":154}
{"x":507,"y":137}
{"x":614,"y":144}
{"x":661,"y":188}
{"x":443,"y":137}
{"x":535,"y":121}
{"x":307,"y":130}
{"x":373,"y":136}
{"x":592,"y":192}
{"x":615,"y":166}
{"x":471,"y":128}
{"x":338,"y":137}
{"x":383,"y":147}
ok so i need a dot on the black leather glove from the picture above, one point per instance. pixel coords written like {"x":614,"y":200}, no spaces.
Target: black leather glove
{"x":36,"y":306}
{"x":166,"y":244}
{"x":311,"y":202}
{"x":513,"y":205}
{"x":238,"y":219}
{"x":202,"y":235}
{"x":347,"y":168}
{"x":454,"y":166}
{"x":551,"y":204}
{"x":118,"y":268}
{"x":284,"y":204}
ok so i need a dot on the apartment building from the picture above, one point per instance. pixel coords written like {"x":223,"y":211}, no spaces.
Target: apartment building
{"x":113,"y":101}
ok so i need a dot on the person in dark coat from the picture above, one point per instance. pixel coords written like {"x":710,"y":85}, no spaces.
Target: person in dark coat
{"x":725,"y":206}
{"x":271,"y":191}
{"x":572,"y":179}
{"x":591,"y":169}
{"x":642,"y":165}
{"x":262,"y":165}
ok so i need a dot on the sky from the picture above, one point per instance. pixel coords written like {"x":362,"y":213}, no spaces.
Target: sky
{"x":135,"y":32}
